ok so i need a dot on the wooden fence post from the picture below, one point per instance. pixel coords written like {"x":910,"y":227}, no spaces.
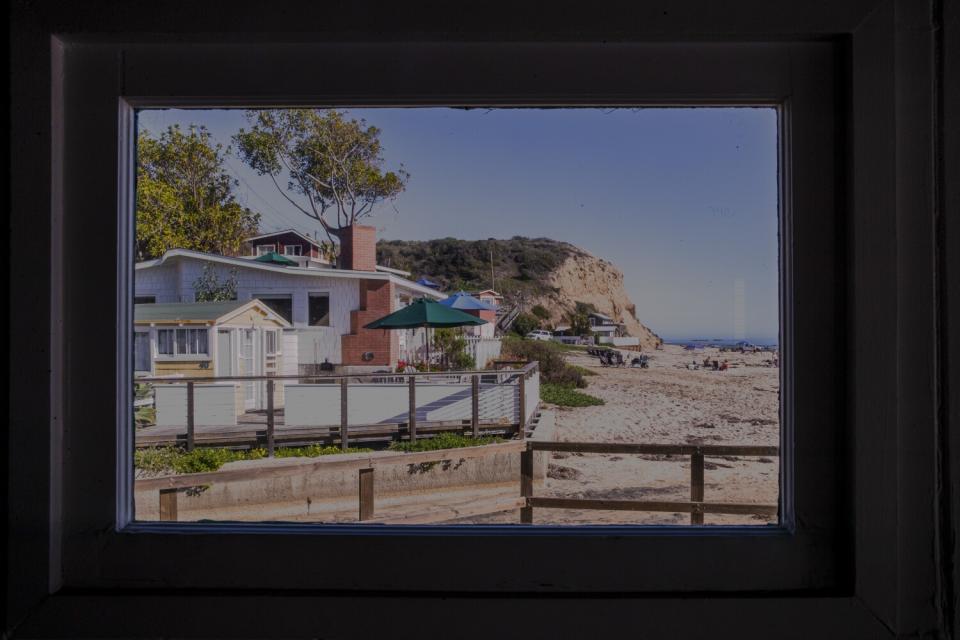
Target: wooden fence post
{"x":366,"y":494}
{"x":344,"y":436}
{"x":270,"y":418}
{"x":526,"y":485}
{"x":696,"y":486}
{"x":523,"y":405}
{"x":168,"y":505}
{"x":475,"y":405}
{"x":412,"y":409}
{"x":189,"y":416}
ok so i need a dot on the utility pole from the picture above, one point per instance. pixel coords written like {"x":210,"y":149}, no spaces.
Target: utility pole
{"x":493,"y":278}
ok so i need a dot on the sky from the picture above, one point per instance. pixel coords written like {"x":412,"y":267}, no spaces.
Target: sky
{"x":682,"y":200}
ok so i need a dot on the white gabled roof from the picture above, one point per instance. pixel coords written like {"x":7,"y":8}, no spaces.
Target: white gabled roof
{"x":315,"y":243}
{"x":397,"y":272}
{"x":201,"y":312}
{"x":249,"y":263}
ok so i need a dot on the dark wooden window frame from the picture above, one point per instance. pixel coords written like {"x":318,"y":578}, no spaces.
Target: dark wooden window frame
{"x":852,"y":572}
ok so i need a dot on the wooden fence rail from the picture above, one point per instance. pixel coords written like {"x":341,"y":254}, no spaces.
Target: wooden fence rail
{"x":696,"y":506}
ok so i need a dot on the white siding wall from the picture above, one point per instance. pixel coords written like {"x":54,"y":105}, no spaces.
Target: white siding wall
{"x":162,"y":282}
{"x":175,"y":284}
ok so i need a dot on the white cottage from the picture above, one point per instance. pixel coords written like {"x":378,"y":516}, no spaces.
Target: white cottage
{"x":326,"y":306}
{"x":207,"y":340}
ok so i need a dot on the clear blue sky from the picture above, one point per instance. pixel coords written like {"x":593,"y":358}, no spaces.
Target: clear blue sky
{"x":683,"y":201}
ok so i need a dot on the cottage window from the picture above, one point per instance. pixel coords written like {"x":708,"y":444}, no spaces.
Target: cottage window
{"x":263,"y":249}
{"x":181,"y":342}
{"x":271,"y":342}
{"x":165,"y":342}
{"x":141,"y":351}
{"x":319,"y":310}
{"x":291,"y":250}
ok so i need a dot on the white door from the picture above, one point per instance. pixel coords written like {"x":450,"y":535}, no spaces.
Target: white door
{"x":247,"y":367}
{"x":224,"y":353}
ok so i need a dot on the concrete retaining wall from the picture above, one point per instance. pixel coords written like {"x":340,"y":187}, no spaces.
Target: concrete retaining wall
{"x":253,"y":488}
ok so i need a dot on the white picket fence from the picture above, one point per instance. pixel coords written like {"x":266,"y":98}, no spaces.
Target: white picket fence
{"x":483,"y":350}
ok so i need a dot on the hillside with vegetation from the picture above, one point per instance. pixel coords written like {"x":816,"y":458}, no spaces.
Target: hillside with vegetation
{"x":552,"y":281}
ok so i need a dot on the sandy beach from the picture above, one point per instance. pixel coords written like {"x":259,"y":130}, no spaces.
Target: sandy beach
{"x":668,"y":404}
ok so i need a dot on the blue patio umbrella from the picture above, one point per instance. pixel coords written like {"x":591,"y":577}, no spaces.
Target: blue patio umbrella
{"x":466,"y":302}
{"x":428,"y":283}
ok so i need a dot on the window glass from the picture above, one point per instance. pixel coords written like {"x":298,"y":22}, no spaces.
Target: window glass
{"x":271,"y":342}
{"x":165,"y":342}
{"x":610,"y":273}
{"x":319,"y":310}
{"x":283,"y":305}
{"x":182,"y":340}
{"x":198,"y":341}
{"x":144,"y":300}
{"x":141,"y":351}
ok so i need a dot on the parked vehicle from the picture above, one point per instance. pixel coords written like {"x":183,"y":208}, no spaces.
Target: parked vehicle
{"x":539,"y":334}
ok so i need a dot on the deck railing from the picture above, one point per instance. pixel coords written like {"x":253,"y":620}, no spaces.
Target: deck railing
{"x":696,"y":506}
{"x":411,"y":428}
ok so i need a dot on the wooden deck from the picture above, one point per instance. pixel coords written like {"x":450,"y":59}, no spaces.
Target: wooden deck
{"x":251,"y":431}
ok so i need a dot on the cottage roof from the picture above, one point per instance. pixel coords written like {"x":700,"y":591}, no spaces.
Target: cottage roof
{"x":198,"y":312}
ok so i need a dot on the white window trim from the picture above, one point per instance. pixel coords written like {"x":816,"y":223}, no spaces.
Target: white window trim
{"x":264,"y":249}
{"x":793,"y":547}
{"x":175,"y":356}
{"x":287,"y":252}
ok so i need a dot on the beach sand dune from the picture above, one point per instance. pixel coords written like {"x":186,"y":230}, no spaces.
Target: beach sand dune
{"x":667,"y":404}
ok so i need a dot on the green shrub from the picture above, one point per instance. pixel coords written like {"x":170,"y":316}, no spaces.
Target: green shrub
{"x":566,"y":396}
{"x":313,"y":451}
{"x":540,"y":311}
{"x":166,"y":460}
{"x":553,"y":366}
{"x":452,"y":345}
{"x":583,"y":370}
{"x":444,"y":441}
{"x":525,"y":323}
{"x":145,"y":416}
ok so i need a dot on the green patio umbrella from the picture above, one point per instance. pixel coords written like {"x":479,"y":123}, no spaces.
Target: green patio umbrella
{"x":427,"y":314}
{"x":275,"y":258}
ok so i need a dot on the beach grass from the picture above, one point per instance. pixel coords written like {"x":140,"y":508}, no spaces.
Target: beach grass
{"x":443,"y":441}
{"x":583,"y":370}
{"x":566,"y":396}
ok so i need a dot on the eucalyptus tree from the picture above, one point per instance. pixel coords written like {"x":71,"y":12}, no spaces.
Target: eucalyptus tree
{"x":328,"y":166}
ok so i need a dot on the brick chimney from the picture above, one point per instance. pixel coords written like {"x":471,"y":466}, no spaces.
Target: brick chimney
{"x":358,"y":247}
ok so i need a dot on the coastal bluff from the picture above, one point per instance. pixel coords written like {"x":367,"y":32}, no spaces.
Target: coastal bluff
{"x":527,"y":271}
{"x":582,"y":277}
